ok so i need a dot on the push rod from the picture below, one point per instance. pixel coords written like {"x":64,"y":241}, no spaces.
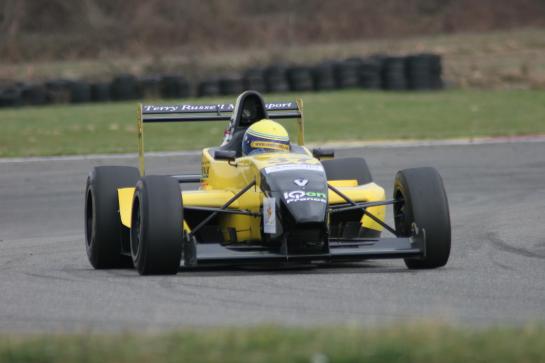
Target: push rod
{"x":223,"y":207}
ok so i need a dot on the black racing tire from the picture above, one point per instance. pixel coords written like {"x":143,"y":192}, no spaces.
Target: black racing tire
{"x":208,"y":88}
{"x":393,"y":74}
{"x":423,"y":201}
{"x":80,"y":92}
{"x":175,"y":86}
{"x":103,"y":226}
{"x":100,"y":92}
{"x":346,"y":73}
{"x":10,"y":97}
{"x":348,"y":168}
{"x":34,"y":94}
{"x":324,"y":76}
{"x":300,"y":78}
{"x":254,"y":79}
{"x":124,"y":87}
{"x":232,"y":85}
{"x":156,"y":226}
{"x":276,"y":79}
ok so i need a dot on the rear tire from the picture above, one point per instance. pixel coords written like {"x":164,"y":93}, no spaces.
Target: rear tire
{"x":103,"y":226}
{"x":423,"y":203}
{"x":348,"y":168}
{"x":156,"y":226}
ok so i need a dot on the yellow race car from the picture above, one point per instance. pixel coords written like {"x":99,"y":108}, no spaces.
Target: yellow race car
{"x":290,"y":206}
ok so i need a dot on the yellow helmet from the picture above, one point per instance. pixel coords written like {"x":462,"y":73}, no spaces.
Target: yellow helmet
{"x":265,"y":136}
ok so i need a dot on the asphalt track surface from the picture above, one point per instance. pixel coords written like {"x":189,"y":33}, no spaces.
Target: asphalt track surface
{"x":496,"y":274}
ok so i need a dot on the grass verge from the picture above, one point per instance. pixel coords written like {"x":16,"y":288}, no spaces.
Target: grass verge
{"x":341,"y":115}
{"x":405,"y":343}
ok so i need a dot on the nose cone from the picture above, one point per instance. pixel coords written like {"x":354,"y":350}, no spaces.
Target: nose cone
{"x":302,"y":188}
{"x":306,"y":206}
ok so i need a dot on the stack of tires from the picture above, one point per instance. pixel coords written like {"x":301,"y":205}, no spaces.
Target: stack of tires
{"x":300,"y":78}
{"x":370,"y":73}
{"x":149,"y":87}
{"x":347,"y":74}
{"x":424,"y":72}
{"x":101,"y":92}
{"x":174,"y":86}
{"x":208,"y":88}
{"x":58,"y":90}
{"x":393,"y":74}
{"x":33,"y":95}
{"x":125,"y":88}
{"x":276,"y":79}
{"x":80,"y":92}
{"x":324,"y":76}
{"x":254,"y":79}
{"x":10,"y":97}
{"x":379,"y":72}
{"x":231,"y":85}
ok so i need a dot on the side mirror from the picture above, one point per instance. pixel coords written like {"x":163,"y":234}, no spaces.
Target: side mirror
{"x":227,"y":155}
{"x":323,"y":153}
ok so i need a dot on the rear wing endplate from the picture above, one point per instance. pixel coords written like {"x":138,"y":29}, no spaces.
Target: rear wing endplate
{"x":210,"y":112}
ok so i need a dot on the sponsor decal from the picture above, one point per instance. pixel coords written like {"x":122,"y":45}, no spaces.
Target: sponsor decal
{"x":280,"y":106}
{"x":301,"y":182}
{"x":152,"y":108}
{"x":303,"y":196}
{"x":188,"y":108}
{"x":288,"y":167}
{"x":269,"y":145}
{"x":220,"y":107}
{"x":269,"y":215}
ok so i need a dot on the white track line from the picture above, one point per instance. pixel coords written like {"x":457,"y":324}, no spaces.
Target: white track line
{"x":333,"y":144}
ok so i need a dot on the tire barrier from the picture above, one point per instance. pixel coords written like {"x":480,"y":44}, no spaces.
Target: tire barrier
{"x":34,"y":95}
{"x":174,"y":86}
{"x":208,"y":88}
{"x":347,"y":74}
{"x":324,"y":76}
{"x":80,"y":92}
{"x":379,"y":72}
{"x":370,"y":74}
{"x":231,"y":85}
{"x":254,"y":79}
{"x":149,"y":87}
{"x":393,"y":74}
{"x":424,"y":72}
{"x":10,"y":97}
{"x":58,"y":91}
{"x":101,"y":92}
{"x":125,"y":88}
{"x":276,"y":80}
{"x":300,"y":78}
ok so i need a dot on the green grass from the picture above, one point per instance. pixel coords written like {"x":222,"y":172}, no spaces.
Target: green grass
{"x":332,"y":116}
{"x":428,"y":343}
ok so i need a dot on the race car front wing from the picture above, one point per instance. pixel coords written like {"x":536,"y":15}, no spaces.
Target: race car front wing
{"x":338,"y":250}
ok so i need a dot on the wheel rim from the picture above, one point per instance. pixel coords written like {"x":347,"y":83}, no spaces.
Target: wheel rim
{"x":401,"y":216}
{"x":135,"y":230}
{"x":89,"y":209}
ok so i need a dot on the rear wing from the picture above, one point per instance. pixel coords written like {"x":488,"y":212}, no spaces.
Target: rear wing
{"x":210,"y":112}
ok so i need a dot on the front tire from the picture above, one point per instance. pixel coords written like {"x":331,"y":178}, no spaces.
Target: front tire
{"x":156,"y":226}
{"x":422,"y":203}
{"x":102,"y":222}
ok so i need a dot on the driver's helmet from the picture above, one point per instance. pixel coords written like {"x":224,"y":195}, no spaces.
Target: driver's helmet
{"x":265,"y":136}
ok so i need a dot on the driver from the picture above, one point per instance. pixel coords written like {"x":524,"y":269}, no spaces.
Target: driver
{"x":265,"y":136}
